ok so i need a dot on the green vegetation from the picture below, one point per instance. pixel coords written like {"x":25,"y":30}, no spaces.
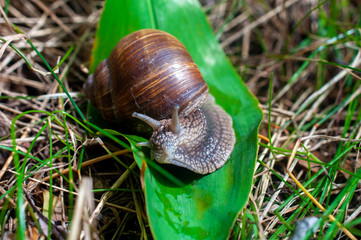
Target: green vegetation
{"x":301,"y":59}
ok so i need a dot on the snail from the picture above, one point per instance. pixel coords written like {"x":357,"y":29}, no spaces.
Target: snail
{"x":151,"y":76}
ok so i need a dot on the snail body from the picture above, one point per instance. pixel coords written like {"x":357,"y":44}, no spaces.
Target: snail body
{"x":151,"y":76}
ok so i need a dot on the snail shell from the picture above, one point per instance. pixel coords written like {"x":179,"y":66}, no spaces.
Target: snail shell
{"x":151,"y":76}
{"x":149,"y":71}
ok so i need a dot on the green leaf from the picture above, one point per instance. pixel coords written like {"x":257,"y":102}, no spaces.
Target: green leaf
{"x":203,"y":207}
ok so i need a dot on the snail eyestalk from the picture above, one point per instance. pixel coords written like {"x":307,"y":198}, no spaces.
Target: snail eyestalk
{"x":154,"y":124}
{"x":144,"y":144}
{"x":175,"y":127}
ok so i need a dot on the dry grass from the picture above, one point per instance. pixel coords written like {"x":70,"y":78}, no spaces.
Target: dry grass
{"x":264,"y":40}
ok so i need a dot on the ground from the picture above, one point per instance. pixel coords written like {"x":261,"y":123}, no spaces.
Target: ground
{"x":301,"y":59}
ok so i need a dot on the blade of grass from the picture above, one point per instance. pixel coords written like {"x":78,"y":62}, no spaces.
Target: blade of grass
{"x":331,"y":217}
{"x":50,"y":204}
{"x":20,"y":207}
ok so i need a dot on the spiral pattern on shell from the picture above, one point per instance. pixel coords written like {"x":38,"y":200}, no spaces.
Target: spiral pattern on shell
{"x":150,"y":72}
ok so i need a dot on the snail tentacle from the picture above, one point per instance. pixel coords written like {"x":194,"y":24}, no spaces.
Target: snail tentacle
{"x":175,"y":127}
{"x":144,"y":144}
{"x":154,"y":124}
